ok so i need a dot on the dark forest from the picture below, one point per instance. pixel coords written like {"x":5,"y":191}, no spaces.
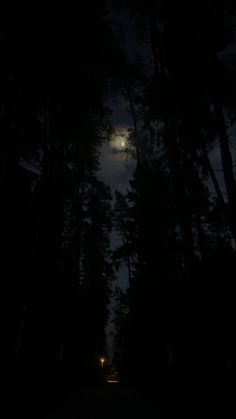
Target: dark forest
{"x":173,"y":324}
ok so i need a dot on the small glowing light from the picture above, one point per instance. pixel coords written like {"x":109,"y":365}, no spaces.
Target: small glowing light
{"x":102,"y":360}
{"x":122,"y":144}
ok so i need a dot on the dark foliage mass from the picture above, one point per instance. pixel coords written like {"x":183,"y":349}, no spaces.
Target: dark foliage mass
{"x":55,"y":214}
{"x":175,"y":322}
{"x":174,"y":325}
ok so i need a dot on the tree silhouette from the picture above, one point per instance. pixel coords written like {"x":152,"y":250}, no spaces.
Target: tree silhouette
{"x":53,"y":119}
{"x":175,"y":313}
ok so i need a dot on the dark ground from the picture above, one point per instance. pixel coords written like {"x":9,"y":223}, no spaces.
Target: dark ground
{"x":101,"y":402}
{"x":110,"y":401}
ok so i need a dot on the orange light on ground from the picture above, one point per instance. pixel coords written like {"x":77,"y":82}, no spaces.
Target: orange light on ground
{"x":112,"y":378}
{"x":113,"y":381}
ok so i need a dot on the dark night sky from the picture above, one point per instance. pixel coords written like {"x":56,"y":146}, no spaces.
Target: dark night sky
{"x":116,"y":166}
{"x":116,"y":170}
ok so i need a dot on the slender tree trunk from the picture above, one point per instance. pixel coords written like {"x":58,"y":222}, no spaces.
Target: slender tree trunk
{"x":79,"y":228}
{"x":19,"y":338}
{"x":222,"y":203}
{"x":226,"y":159}
{"x":178,"y":181}
{"x":181,"y":200}
{"x":9,"y":146}
{"x":134,"y":117}
{"x":156,"y":45}
{"x":200,"y":232}
{"x":128,"y":260}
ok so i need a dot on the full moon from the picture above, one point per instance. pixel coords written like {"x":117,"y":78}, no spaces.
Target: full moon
{"x":119,"y":139}
{"x":117,"y":165}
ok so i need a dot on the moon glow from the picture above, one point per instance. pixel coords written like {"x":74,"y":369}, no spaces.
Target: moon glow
{"x":119,"y":140}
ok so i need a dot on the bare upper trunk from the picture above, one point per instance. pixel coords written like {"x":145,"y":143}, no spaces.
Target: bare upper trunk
{"x":226,"y":159}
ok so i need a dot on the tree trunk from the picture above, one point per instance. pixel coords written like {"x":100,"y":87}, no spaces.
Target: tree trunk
{"x":226,"y":159}
{"x":77,"y":242}
{"x":133,"y":113}
{"x":222,"y":203}
{"x":178,"y":182}
{"x":183,"y":212}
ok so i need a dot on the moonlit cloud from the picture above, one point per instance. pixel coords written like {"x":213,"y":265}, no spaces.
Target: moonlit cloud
{"x":116,"y":167}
